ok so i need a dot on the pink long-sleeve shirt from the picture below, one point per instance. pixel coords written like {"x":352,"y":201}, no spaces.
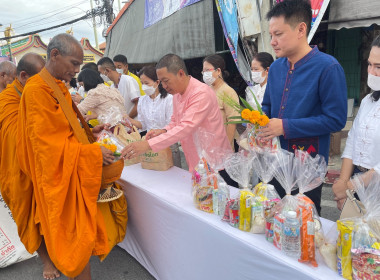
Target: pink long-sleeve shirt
{"x":197,"y":107}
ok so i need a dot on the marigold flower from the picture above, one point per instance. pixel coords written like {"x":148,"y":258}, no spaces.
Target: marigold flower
{"x":245,"y":114}
{"x":263,"y":120}
{"x":255,"y":115}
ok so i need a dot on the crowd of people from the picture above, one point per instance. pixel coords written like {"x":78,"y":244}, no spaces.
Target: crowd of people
{"x":59,"y":172}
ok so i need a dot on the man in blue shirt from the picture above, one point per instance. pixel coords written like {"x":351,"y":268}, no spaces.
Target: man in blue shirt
{"x":306,"y":94}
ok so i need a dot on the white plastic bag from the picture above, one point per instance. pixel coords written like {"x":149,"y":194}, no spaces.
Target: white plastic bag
{"x":11,"y":248}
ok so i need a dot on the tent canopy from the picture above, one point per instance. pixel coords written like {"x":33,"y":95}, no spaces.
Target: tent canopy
{"x":350,"y":14}
{"x":188,"y":33}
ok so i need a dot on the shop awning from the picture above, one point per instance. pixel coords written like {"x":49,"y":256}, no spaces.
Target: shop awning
{"x":188,"y":33}
{"x":350,"y":14}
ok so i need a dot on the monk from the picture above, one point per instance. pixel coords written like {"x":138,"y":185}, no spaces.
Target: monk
{"x":66,"y":173}
{"x":7,"y":74}
{"x":16,"y":188}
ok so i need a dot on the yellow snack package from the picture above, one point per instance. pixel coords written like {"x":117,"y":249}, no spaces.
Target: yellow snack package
{"x":245,"y":203}
{"x":344,"y":241}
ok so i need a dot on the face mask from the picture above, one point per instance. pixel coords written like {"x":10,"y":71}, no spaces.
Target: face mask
{"x":149,"y":90}
{"x":208,"y":78}
{"x":257,"y":77}
{"x":105,"y":78}
{"x":373,"y":82}
{"x":119,"y":70}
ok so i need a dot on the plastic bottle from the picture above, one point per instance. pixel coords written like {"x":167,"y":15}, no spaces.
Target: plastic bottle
{"x":291,"y":242}
{"x":223,"y":195}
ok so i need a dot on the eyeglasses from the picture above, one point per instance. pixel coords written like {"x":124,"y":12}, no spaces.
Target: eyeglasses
{"x":207,"y":70}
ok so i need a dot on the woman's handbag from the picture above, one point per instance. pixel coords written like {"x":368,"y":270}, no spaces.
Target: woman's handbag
{"x":352,"y":207}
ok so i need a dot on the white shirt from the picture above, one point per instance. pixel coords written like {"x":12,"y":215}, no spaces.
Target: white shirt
{"x":259,"y":91}
{"x":129,"y":89}
{"x":155,"y":113}
{"x":363,"y":140}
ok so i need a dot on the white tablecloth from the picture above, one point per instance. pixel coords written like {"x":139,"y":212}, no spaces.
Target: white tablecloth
{"x":174,"y":240}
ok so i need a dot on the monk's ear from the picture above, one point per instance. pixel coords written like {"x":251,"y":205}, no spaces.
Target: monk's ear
{"x":24,"y":75}
{"x":54,"y":53}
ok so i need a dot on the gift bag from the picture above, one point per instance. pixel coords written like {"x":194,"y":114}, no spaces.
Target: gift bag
{"x":209,"y":191}
{"x":238,"y":166}
{"x":365,"y":247}
{"x":310,"y":173}
{"x":160,"y":161}
{"x":11,"y":248}
{"x":265,"y":195}
{"x":121,"y":133}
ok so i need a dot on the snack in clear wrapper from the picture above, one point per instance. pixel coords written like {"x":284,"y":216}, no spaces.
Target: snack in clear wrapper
{"x":328,"y":248}
{"x":278,"y":228}
{"x":269,"y":231}
{"x":245,"y":203}
{"x":365,"y":246}
{"x":234,"y":213}
{"x":111,"y":116}
{"x":344,"y":242}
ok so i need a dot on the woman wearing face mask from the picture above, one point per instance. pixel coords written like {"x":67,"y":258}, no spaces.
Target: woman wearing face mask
{"x":214,"y":74}
{"x":155,"y":108}
{"x":259,"y":72}
{"x":361,"y":153}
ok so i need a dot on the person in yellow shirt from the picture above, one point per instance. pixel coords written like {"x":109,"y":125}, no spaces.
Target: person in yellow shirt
{"x":121,"y":62}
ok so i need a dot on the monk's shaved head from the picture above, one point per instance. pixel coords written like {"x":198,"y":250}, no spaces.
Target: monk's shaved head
{"x":31,"y":63}
{"x":64,"y":43}
{"x":8,"y":68}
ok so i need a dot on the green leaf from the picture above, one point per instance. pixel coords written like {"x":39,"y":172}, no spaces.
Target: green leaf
{"x":235,"y":122}
{"x":257,"y":103}
{"x":246,"y":104}
{"x":235,"y":117}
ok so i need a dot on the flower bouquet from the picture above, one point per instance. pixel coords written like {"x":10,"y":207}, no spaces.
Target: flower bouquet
{"x":255,"y":119}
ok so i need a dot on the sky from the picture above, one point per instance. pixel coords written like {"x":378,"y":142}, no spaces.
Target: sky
{"x":31,"y":15}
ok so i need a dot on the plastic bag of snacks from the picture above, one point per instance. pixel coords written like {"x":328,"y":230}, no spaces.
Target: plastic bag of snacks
{"x":251,"y":140}
{"x":111,"y":116}
{"x":265,"y":195}
{"x":283,"y":169}
{"x":328,"y":249}
{"x":206,"y":182}
{"x":111,"y":142}
{"x":310,"y":173}
{"x":238,"y":166}
{"x":365,"y":247}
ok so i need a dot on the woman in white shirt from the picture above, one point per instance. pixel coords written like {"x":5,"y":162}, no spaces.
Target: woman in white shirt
{"x":362,"y":153}
{"x":155,"y":108}
{"x":259,"y":72}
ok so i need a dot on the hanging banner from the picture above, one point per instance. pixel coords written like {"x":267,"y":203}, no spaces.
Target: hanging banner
{"x":319,"y":8}
{"x":156,"y":10}
{"x":228,"y":18}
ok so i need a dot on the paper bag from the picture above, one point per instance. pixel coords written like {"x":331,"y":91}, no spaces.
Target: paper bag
{"x":127,"y":138}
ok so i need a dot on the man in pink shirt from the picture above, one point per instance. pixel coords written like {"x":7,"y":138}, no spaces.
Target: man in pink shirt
{"x":194,"y":106}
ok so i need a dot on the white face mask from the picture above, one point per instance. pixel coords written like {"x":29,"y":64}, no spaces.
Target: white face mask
{"x":149,"y":90}
{"x":119,"y":70}
{"x":257,"y":77}
{"x":373,"y":82}
{"x":105,"y":78}
{"x":208,"y":78}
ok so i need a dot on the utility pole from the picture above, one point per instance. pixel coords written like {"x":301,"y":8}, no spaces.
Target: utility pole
{"x":94,"y":26}
{"x":7,"y":33}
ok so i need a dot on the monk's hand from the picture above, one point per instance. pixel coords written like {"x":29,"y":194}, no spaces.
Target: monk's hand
{"x":99,"y":128}
{"x":272,"y":129}
{"x":135,"y":149}
{"x":154,"y":133}
{"x":108,"y":156}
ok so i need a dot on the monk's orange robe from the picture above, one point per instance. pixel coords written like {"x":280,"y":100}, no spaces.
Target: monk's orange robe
{"x":66,"y":178}
{"x":16,"y":188}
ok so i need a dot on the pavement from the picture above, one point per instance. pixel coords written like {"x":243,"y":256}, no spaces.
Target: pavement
{"x":119,"y":265}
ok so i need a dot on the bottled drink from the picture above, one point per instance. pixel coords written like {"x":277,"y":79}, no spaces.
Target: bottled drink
{"x":291,"y":242}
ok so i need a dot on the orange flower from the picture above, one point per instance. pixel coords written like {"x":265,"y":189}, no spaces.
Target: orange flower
{"x":263,"y":120}
{"x":245,"y":114}
{"x":255,"y":115}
